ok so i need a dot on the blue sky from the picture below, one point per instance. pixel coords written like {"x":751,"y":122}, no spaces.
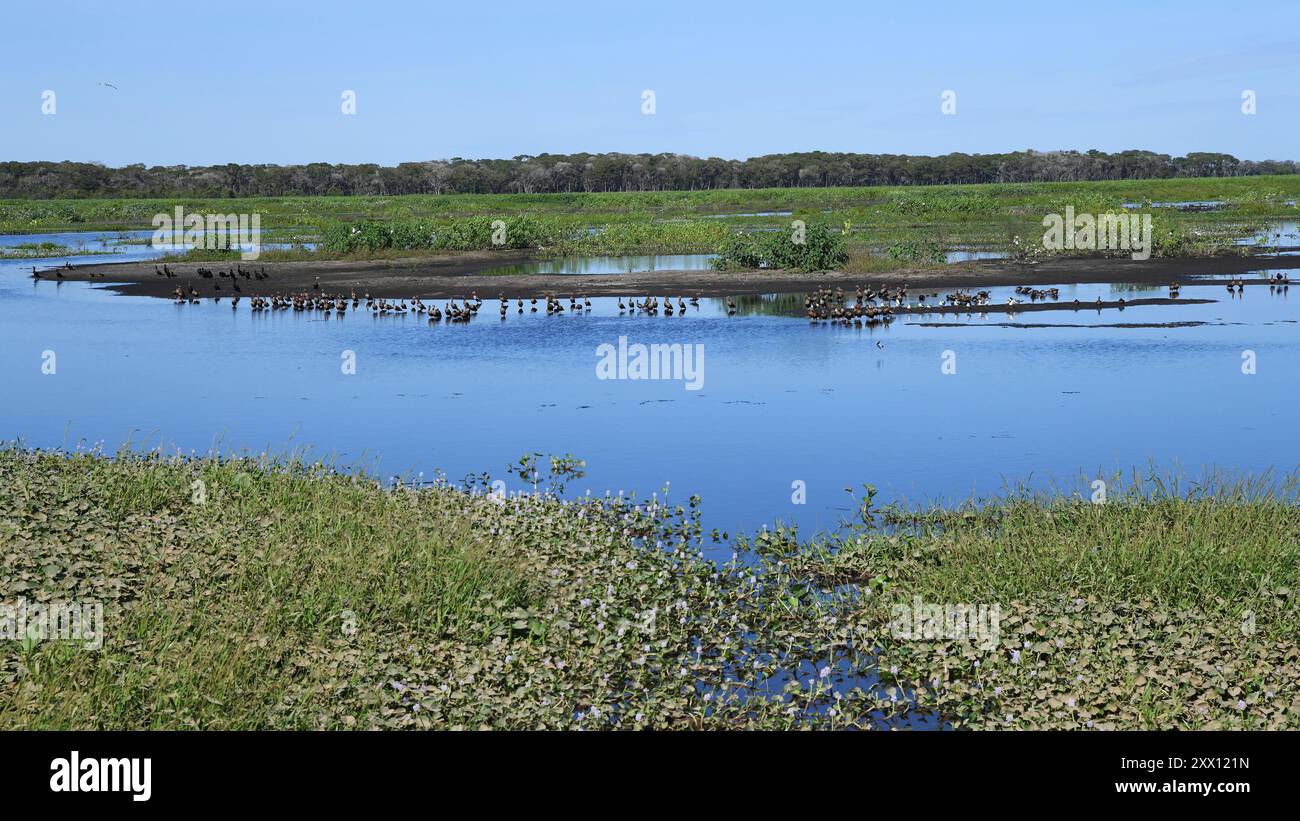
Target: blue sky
{"x":261,"y":82}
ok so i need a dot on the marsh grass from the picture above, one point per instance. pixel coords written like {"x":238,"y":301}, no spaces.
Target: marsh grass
{"x":220,"y":595}
{"x":910,"y":225}
{"x":289,"y":593}
{"x":1234,"y":538}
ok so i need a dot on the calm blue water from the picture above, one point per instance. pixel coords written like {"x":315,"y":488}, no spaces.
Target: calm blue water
{"x":782,"y":400}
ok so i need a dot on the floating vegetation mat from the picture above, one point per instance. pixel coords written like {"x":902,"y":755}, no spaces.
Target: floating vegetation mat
{"x":256,"y":593}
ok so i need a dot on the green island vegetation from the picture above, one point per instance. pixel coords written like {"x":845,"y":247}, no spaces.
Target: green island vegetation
{"x":285,"y":593}
{"x":868,"y":228}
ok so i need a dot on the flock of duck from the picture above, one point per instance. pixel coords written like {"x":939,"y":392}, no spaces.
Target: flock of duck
{"x":870,"y":306}
{"x":1277,"y":284}
{"x":1035,"y":294}
{"x":458,"y":309}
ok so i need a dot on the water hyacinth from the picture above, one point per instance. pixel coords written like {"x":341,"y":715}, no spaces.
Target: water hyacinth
{"x":469,"y":611}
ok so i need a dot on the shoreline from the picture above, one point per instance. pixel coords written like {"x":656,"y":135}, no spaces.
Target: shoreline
{"x":455,"y":276}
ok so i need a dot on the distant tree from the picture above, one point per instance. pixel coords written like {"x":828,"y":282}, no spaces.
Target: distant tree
{"x":547,"y":173}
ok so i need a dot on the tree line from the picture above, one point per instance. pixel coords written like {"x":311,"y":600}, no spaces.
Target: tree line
{"x":570,"y":173}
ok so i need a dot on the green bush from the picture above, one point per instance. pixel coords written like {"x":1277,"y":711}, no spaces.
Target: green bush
{"x":821,"y":250}
{"x":467,"y":234}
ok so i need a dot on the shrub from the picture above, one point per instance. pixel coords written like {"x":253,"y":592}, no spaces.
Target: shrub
{"x":821,"y":250}
{"x":465,"y":234}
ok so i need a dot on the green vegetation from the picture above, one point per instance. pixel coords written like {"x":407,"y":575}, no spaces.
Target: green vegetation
{"x":42,"y":250}
{"x":916,"y":251}
{"x":34,"y":250}
{"x":251,"y":593}
{"x":469,"y":234}
{"x":1166,"y":606}
{"x":817,"y":248}
{"x":549,"y":235}
{"x":886,"y":226}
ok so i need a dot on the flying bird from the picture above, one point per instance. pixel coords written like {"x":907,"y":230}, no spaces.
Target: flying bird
{"x":110,"y":85}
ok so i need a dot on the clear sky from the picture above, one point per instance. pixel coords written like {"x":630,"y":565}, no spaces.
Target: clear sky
{"x":202,"y":83}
